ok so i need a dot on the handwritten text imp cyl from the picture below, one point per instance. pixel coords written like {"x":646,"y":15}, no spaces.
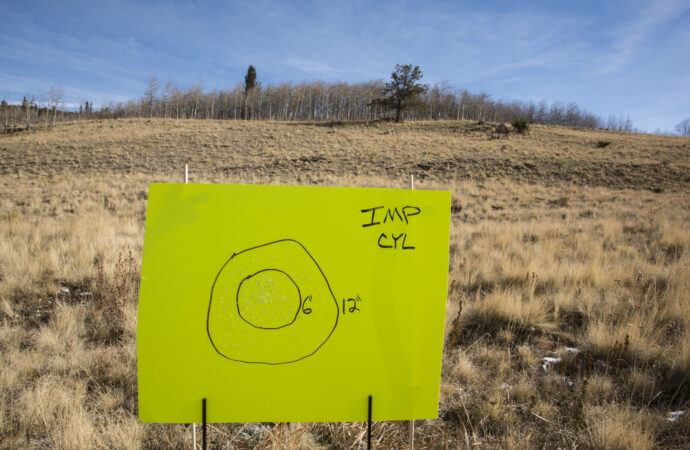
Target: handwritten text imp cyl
{"x":382,"y":215}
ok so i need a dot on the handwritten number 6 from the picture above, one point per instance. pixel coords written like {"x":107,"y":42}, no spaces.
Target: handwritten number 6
{"x":306,"y":310}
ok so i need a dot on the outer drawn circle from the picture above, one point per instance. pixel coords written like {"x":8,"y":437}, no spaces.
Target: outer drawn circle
{"x":235,"y":339}
{"x":299,"y":300}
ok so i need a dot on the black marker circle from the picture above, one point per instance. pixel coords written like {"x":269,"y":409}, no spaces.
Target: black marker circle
{"x":243,"y":334}
{"x":271,"y":296}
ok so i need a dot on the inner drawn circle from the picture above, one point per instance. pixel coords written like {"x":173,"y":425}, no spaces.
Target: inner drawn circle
{"x":268,"y":299}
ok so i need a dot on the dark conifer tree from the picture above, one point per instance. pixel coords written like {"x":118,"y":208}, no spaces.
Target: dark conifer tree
{"x":404,"y":91}
{"x":249,"y":85}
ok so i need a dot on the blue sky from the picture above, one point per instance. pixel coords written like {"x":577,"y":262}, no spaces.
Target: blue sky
{"x":611,"y":57}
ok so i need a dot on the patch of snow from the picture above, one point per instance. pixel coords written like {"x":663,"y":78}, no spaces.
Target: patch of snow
{"x":675,"y":415}
{"x":505,"y":386}
{"x":572,"y":350}
{"x":547,"y":361}
{"x":64,"y":289}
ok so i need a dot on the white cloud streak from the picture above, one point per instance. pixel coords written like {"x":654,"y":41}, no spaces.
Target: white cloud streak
{"x":314,"y":68}
{"x":629,"y":37}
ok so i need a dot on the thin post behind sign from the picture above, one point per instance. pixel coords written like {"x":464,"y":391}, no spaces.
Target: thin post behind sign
{"x":186,"y":180}
{"x":411,"y":422}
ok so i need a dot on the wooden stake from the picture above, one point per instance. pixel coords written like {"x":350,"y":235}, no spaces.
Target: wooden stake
{"x":186,"y":180}
{"x":411,"y":422}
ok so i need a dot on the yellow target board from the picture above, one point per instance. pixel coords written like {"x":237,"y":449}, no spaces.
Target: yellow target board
{"x":291,"y":303}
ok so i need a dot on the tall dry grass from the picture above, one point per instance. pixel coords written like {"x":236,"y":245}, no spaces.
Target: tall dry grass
{"x":594,"y":276}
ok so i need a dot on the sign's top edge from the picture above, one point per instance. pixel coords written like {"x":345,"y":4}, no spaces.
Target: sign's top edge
{"x":297,"y":186}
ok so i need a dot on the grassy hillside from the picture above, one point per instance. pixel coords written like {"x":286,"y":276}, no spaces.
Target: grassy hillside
{"x":440,"y":151}
{"x":562,"y":247}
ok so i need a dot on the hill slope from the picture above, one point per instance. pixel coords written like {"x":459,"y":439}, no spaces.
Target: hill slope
{"x":435,"y":150}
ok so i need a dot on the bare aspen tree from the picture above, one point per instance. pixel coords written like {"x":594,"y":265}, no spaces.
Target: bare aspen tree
{"x":270,"y":98}
{"x":55,"y":98}
{"x":178,"y":102}
{"x":227,"y":104}
{"x":167,"y":93}
{"x":235,"y":97}
{"x":26,"y":109}
{"x":150,"y":94}
{"x":683,"y":128}
{"x":297,"y":101}
{"x":196,"y":96}
{"x":212,"y":100}
{"x":259,"y":98}
{"x":460,"y":115}
{"x":482,"y":98}
{"x":4,"y":112}
{"x":542,"y":112}
{"x":628,"y":125}
{"x":308,"y":109}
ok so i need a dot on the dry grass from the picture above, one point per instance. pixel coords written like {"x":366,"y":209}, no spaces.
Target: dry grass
{"x":619,"y":428}
{"x":558,"y":249}
{"x":308,"y":153}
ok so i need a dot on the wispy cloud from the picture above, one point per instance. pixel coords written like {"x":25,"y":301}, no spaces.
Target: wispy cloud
{"x":314,"y":68}
{"x":18,"y":86}
{"x":48,"y":54}
{"x":630,"y":36}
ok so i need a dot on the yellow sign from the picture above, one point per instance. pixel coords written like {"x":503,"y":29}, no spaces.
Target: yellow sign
{"x":291,"y":303}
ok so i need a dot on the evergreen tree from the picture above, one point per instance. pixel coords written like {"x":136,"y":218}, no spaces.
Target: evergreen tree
{"x":404,"y":91}
{"x":249,"y":85}
{"x":250,"y":79}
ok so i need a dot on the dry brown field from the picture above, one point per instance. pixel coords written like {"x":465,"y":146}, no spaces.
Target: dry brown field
{"x":568,"y":309}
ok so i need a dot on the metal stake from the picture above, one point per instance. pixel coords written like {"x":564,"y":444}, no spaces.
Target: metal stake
{"x":203,"y":419}
{"x":369,"y":426}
